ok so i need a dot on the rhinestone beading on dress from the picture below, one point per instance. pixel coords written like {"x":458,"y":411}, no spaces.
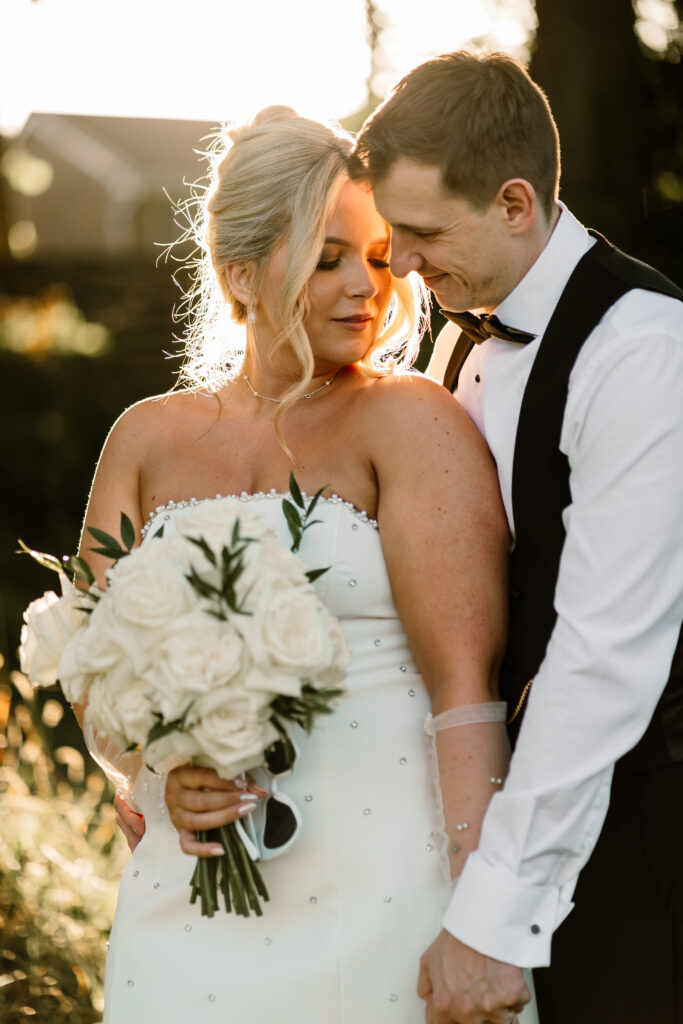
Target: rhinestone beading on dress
{"x":333,"y":499}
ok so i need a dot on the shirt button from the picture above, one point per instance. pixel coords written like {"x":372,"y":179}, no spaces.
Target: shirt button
{"x":535,"y":929}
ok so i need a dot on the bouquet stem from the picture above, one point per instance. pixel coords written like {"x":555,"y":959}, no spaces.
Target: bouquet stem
{"x":241,"y":882}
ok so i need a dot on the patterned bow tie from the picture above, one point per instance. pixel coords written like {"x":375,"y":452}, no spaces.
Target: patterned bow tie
{"x":479,"y":328}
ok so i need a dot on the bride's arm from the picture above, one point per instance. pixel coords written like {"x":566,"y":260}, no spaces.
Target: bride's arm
{"x":115,"y":489}
{"x":446,"y":544}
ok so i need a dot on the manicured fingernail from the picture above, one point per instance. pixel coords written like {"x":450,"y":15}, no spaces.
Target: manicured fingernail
{"x":257,"y":790}
{"x":216,"y":851}
{"x":240,"y":783}
{"x":246,"y":806}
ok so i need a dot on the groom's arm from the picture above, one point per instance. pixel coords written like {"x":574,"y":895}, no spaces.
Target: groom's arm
{"x":620,"y":604}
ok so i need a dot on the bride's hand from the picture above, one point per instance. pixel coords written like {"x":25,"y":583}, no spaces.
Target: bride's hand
{"x":199,"y":799}
{"x":129,"y":821}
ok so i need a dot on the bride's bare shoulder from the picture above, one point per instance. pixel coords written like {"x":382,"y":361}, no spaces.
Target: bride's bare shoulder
{"x":163,"y":418}
{"x":412,"y":399}
{"x":410,"y":419}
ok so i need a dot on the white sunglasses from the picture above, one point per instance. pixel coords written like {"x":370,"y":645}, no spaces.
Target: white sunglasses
{"x":275,"y":822}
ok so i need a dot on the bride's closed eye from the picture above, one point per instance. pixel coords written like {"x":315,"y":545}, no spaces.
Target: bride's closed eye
{"x":375,"y":261}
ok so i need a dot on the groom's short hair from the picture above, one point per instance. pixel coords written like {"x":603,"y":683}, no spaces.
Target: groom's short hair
{"x":479,"y":117}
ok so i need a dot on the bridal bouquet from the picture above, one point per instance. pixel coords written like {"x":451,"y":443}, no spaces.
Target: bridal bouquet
{"x":207,"y":644}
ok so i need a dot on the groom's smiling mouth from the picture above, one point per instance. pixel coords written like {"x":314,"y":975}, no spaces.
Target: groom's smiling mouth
{"x":433,"y":280}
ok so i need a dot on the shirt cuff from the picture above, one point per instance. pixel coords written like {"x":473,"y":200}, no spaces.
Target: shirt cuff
{"x":502,"y":918}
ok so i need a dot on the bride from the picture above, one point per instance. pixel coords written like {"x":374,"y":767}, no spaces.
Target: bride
{"x":412,"y":526}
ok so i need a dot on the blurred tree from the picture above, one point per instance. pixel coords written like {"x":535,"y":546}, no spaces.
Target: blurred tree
{"x":376,"y":22}
{"x":617,"y":105}
{"x":4,"y":222}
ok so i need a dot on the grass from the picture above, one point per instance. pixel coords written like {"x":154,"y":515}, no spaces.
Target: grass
{"x":61,"y":858}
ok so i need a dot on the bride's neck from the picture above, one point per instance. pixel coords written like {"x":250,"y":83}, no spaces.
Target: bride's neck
{"x":275,"y":383}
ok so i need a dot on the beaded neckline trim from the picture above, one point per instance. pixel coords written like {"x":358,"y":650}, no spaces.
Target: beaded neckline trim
{"x":334,"y":499}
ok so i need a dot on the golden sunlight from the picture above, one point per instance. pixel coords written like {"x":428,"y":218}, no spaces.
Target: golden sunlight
{"x":224,"y":61}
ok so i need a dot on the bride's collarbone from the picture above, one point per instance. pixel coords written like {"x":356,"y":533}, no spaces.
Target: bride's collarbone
{"x":251,"y":470}
{"x":230,"y":453}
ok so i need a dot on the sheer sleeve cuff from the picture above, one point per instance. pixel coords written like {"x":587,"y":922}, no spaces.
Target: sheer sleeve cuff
{"x":120,"y":767}
{"x":502,"y":918}
{"x":468,"y":753}
{"x":466,"y":714}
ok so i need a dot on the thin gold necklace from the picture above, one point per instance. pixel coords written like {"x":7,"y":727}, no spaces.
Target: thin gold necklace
{"x":278,"y":401}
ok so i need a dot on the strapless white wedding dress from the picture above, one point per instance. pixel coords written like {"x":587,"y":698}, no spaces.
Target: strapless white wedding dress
{"x":359,"y":896}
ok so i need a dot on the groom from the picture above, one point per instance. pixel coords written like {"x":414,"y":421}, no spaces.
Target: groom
{"x":574,"y":375}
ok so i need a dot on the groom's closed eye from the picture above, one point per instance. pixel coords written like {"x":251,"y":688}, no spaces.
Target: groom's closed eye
{"x":424,"y":233}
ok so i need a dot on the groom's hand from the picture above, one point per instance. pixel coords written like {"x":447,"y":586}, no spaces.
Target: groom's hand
{"x":466,"y":987}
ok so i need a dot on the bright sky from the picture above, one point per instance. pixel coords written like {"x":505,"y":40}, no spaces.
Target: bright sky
{"x":224,"y":59}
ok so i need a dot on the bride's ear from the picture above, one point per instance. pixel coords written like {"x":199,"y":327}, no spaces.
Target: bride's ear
{"x":240,"y":278}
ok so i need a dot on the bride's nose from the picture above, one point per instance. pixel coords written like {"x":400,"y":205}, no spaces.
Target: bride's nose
{"x":362,"y":282}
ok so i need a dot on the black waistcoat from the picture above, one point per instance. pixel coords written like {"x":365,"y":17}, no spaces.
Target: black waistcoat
{"x":540,"y":489}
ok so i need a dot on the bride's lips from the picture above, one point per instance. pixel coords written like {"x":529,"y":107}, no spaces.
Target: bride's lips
{"x":357,"y":322}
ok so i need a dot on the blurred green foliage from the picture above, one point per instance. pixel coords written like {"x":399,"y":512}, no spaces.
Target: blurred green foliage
{"x":58,"y":403}
{"x":61,"y":857}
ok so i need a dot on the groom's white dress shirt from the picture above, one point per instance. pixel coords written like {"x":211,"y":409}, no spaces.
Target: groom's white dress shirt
{"x":619,"y":595}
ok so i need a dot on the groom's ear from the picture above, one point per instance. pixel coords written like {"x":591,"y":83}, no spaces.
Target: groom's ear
{"x":517,"y":198}
{"x":240,"y":279}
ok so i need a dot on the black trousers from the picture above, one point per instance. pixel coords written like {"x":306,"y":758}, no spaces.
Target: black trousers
{"x":618,"y":957}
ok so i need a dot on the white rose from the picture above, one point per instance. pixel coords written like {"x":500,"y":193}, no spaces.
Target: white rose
{"x":232,"y":698}
{"x":214,"y":522}
{"x":340,"y":657}
{"x":99,"y":644}
{"x":102,"y":714}
{"x":273,"y":682}
{"x":149,"y":592}
{"x":171,"y":750}
{"x":289,"y":631}
{"x":101,"y":647}
{"x":134,"y":709}
{"x":232,"y":738}
{"x":286,"y":567}
{"x":197,"y":654}
{"x":72,"y":679}
{"x":49,"y":624}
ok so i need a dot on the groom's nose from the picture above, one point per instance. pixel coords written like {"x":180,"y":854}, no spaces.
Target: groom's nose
{"x":403,"y":257}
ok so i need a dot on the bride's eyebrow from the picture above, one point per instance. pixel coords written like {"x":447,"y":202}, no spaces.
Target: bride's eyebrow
{"x":332,"y":240}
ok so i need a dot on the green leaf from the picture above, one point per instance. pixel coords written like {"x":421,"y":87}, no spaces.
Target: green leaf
{"x":162,"y":728}
{"x":293,"y":518}
{"x":127,"y":531}
{"x":116,"y":554}
{"x":295,"y":491}
{"x":314,"y":500}
{"x":201,"y":585}
{"x":217,"y":613}
{"x":105,"y":539}
{"x":315,"y":574}
{"x":203,"y":546}
{"x":44,"y":559}
{"x":80,"y":568}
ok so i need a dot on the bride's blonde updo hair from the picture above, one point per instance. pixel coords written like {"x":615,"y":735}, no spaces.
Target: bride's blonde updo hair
{"x":275,"y":178}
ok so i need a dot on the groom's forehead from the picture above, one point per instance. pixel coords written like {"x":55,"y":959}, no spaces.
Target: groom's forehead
{"x":412,"y":195}
{"x":408,"y":178}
